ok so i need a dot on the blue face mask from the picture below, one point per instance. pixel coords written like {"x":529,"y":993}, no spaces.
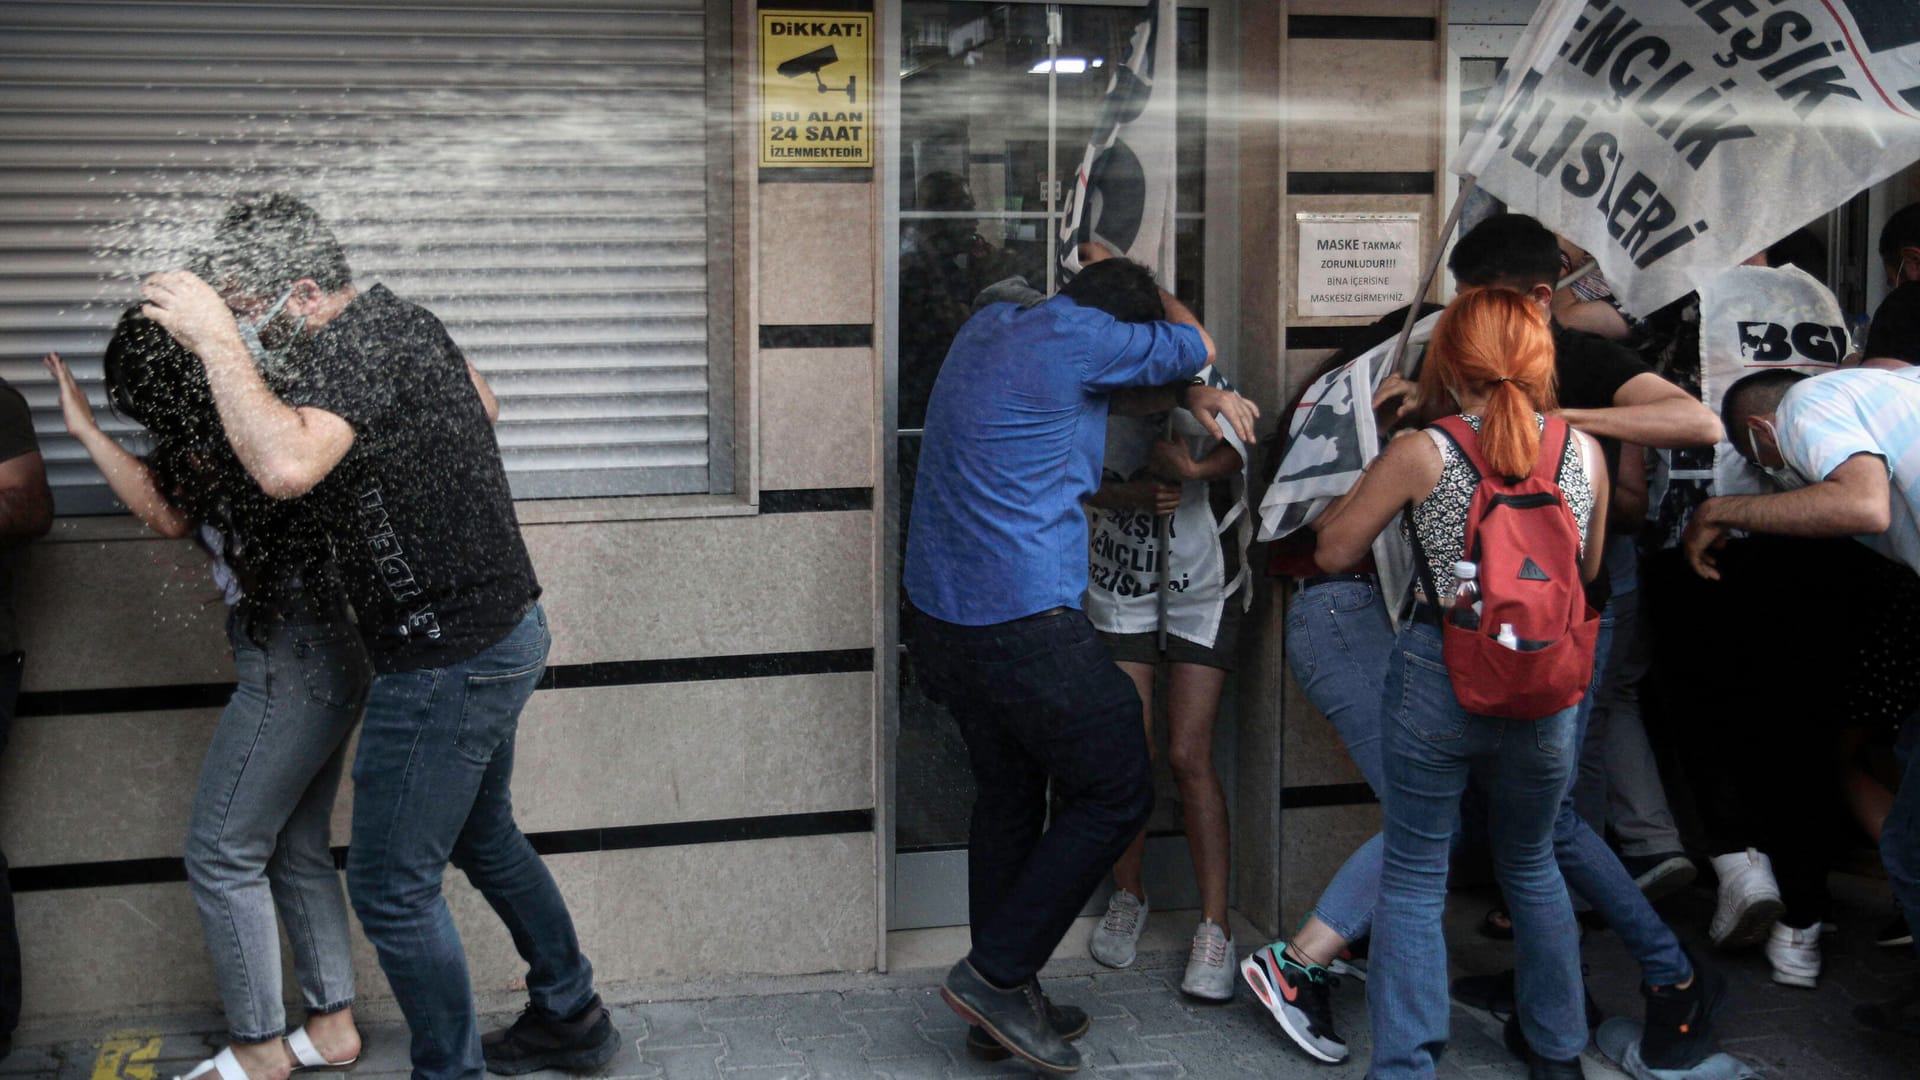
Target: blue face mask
{"x":250,"y":334}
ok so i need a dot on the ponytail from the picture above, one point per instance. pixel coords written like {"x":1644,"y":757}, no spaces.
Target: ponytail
{"x":1498,"y":339}
{"x":1508,"y":436}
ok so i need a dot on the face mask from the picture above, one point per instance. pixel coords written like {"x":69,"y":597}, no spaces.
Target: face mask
{"x":1783,"y":477}
{"x":250,"y":334}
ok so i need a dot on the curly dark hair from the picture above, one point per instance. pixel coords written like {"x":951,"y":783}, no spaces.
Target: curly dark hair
{"x":157,"y":383}
{"x":1122,"y":288}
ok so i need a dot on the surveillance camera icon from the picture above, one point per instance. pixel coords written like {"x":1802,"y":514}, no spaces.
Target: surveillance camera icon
{"x":811,"y":63}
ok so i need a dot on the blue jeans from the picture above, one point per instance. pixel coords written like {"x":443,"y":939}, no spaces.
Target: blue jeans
{"x":1338,"y":643}
{"x":1431,"y":744}
{"x":1595,"y":873}
{"x":431,"y":785}
{"x":259,"y":838}
{"x":1038,"y":701}
{"x":1900,"y":835}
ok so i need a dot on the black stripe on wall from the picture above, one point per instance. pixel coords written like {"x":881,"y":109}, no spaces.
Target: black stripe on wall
{"x":558,"y":677}
{"x":846,"y":174}
{"x":816,"y":336}
{"x":1307,"y":796}
{"x":1360,"y":183}
{"x":1361,"y":28}
{"x":1320,"y":337}
{"x":97,"y":875}
{"x":707,"y":668}
{"x":815,"y":500}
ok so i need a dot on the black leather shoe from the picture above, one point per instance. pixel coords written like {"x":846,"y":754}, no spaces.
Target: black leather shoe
{"x":1016,"y":1019}
{"x":1066,"y":1020}
{"x":1539,"y":1068}
{"x":1494,"y":993}
{"x":583,"y":1042}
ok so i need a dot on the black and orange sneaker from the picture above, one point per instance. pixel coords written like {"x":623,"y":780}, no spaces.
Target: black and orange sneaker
{"x":1679,"y":1033}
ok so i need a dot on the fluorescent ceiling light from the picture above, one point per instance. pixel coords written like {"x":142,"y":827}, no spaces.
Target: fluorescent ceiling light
{"x":1066,"y":65}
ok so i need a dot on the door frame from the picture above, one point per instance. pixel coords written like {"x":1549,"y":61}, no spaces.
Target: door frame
{"x":928,"y":888}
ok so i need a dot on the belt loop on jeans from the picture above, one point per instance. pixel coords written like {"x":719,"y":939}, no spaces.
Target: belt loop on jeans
{"x":1329,"y":579}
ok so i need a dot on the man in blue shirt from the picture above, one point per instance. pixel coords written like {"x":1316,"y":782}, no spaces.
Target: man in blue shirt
{"x":996,"y":565}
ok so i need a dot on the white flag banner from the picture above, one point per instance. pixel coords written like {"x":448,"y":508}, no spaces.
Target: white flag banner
{"x":1756,"y":319}
{"x":1751,"y":319}
{"x":1331,"y":437}
{"x":1671,"y":137}
{"x":1122,"y":194}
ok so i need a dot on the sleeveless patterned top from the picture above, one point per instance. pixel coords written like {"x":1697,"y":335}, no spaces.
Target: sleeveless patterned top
{"x":1441,"y":517}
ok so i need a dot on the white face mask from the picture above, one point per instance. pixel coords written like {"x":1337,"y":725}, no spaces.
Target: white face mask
{"x":1783,"y":477}
{"x":250,"y":334}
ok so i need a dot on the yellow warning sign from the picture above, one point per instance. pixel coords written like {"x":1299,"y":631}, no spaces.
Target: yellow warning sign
{"x":816,"y":89}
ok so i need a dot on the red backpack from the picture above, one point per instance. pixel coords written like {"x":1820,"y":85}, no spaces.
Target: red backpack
{"x":1525,"y":539}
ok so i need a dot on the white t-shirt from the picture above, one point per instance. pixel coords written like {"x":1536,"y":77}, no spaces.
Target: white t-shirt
{"x":1123,"y":568}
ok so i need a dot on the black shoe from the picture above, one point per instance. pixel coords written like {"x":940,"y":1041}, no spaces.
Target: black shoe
{"x":1539,"y":1068}
{"x":1895,"y":934}
{"x":1016,"y":1019}
{"x":1661,"y":874}
{"x":583,"y":1042}
{"x":1068,"y":1021}
{"x":1494,"y":994}
{"x":1899,"y":1015}
{"x":1679,"y":1031}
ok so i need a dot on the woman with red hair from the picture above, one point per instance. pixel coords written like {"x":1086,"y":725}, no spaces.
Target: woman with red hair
{"x":1492,"y":355}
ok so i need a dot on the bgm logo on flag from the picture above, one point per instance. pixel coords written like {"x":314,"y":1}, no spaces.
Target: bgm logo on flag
{"x":1122,"y":195}
{"x":1752,"y":318}
{"x":1676,"y":137}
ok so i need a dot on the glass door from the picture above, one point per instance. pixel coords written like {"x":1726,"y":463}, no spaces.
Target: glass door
{"x":996,"y":103}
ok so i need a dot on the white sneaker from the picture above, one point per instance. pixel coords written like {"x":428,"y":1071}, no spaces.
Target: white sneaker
{"x":1749,"y":899}
{"x":1117,"y":939}
{"x":1210,"y":964}
{"x":1795,"y":955}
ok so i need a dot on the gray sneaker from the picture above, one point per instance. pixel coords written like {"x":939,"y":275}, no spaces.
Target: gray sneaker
{"x":1210,"y":964}
{"x":1117,"y":939}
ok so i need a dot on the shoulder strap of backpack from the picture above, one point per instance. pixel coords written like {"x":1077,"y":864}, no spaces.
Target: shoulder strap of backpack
{"x":1465,"y":440}
{"x":1420,"y":564}
{"x":1553,"y":450}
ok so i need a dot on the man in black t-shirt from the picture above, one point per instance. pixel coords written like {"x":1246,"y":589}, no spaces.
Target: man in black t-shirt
{"x":1893,"y":339}
{"x":26,"y":511}
{"x":388,"y":426}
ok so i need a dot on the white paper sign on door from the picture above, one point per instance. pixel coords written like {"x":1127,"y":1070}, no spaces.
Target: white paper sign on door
{"x":1356,"y":264}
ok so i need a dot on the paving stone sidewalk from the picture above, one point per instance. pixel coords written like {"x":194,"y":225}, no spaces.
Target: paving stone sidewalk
{"x":895,"y":1027}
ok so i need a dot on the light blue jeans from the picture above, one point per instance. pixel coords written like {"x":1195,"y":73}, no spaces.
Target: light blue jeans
{"x":1595,"y":873}
{"x":1338,"y":642}
{"x":1430,"y":744}
{"x":258,"y":839}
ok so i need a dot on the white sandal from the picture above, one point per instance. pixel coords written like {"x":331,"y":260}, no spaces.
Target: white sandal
{"x":224,"y":1063}
{"x":307,"y":1057}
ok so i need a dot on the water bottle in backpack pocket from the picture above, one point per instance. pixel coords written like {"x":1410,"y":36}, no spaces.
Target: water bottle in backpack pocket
{"x":1529,"y":652}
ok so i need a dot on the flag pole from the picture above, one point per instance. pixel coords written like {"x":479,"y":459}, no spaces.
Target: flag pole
{"x":1426,"y":278}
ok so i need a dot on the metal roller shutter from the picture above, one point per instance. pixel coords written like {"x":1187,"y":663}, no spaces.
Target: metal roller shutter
{"x":536,"y":172}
